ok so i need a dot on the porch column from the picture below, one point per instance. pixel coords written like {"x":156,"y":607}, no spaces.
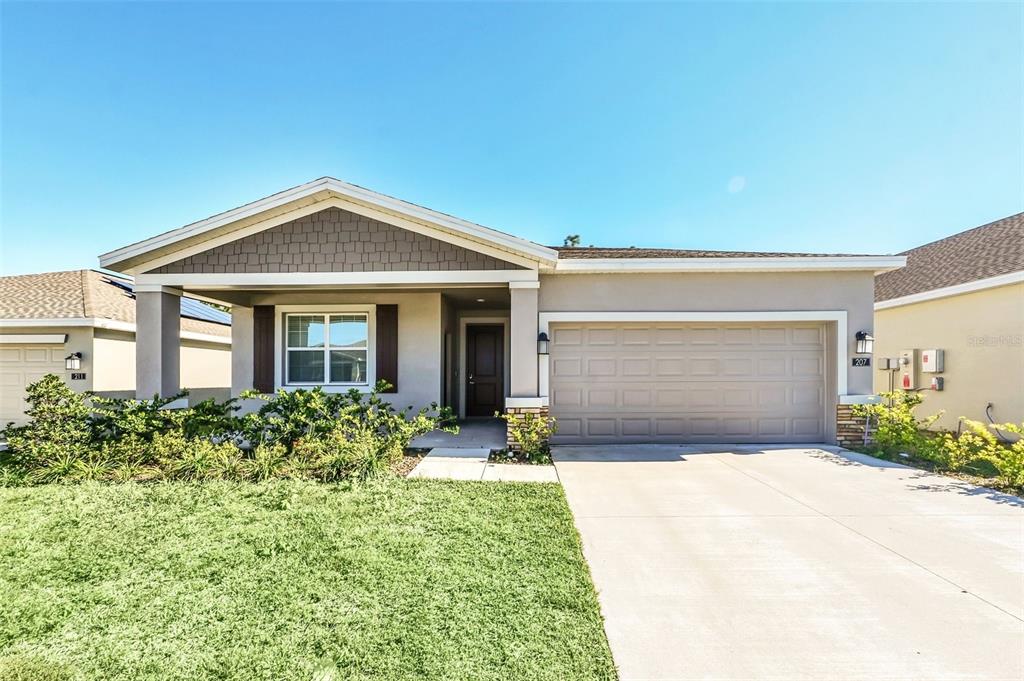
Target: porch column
{"x":157,"y":342}
{"x":523,"y":341}
{"x":241,"y":349}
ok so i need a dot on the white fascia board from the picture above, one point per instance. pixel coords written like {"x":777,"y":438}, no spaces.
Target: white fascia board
{"x":205,"y":337}
{"x":955,"y":290}
{"x":100,"y":323}
{"x":327,"y":187}
{"x":871,"y":263}
{"x":545,"y":320}
{"x":243,"y":280}
{"x":34,"y":338}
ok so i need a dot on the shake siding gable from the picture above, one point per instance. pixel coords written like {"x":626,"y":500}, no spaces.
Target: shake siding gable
{"x":335,"y":240}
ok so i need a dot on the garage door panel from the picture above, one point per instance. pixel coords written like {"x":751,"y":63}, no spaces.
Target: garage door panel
{"x":688,"y":382}
{"x":21,"y":365}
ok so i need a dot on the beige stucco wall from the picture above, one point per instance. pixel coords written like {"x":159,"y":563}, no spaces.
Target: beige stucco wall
{"x":203,"y":365}
{"x":723,"y":292}
{"x":982,"y":334}
{"x":419,"y":336}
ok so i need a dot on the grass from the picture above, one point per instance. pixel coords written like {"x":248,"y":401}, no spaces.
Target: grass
{"x":402,"y":579}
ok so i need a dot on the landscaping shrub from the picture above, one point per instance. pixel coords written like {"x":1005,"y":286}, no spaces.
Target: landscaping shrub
{"x":976,"y":447}
{"x":531,"y":433}
{"x":58,"y":433}
{"x":296,"y":434}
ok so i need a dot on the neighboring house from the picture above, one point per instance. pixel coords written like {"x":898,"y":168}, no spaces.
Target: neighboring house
{"x":332,"y":284}
{"x":45,"y":318}
{"x":963,"y":295}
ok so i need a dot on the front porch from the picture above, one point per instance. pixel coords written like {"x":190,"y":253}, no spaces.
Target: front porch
{"x":470,"y":346}
{"x":486,"y":434}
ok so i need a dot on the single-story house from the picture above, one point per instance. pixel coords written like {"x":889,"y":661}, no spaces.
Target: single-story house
{"x":335,"y":285}
{"x":956,"y":313}
{"x":81,"y":325}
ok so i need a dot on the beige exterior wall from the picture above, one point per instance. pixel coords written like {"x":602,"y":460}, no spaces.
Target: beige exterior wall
{"x":108,"y":362}
{"x":982,"y":334}
{"x":852,"y":292}
{"x":419,"y":336}
{"x":203,"y":365}
{"x":114,"y":359}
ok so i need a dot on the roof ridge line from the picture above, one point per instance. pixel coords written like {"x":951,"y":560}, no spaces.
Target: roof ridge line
{"x":86,"y":293}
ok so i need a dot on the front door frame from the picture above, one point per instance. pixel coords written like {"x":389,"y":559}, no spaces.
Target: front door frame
{"x":506,"y":340}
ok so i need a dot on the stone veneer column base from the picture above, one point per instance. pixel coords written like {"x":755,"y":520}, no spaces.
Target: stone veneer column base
{"x":850,"y":428}
{"x":519,"y":413}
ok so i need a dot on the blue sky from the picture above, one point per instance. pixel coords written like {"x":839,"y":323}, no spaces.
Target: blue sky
{"x":807,"y":127}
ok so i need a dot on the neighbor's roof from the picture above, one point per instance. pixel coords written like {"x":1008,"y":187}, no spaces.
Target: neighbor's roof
{"x":88,"y":294}
{"x":591,"y":252}
{"x":987,"y":251}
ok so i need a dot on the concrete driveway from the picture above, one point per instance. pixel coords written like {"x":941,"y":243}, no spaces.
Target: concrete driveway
{"x":797,"y":563}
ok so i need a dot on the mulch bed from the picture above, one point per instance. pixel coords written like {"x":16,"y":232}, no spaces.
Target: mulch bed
{"x":404,"y":466}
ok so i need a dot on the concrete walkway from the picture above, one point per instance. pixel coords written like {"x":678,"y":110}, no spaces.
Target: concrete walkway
{"x":473,"y":433}
{"x":797,"y":563}
{"x":471,"y":464}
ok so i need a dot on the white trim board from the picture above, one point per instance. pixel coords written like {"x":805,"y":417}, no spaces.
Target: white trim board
{"x":872,"y":263}
{"x":955,"y":290}
{"x":228,"y":280}
{"x":322,"y":193}
{"x":33,"y":338}
{"x":838,"y":316}
{"x":101,"y":323}
{"x":506,"y":323}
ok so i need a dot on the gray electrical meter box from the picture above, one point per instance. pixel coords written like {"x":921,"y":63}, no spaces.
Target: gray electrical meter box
{"x":932,"y":361}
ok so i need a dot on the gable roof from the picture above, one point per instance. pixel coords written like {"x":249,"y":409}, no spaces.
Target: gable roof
{"x":990,"y":250}
{"x":148,"y":256}
{"x":88,"y":294}
{"x":319,"y":191}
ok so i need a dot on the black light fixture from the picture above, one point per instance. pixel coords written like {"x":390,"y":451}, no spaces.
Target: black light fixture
{"x":865,"y":343}
{"x":542,"y":343}
{"x":73,"y":362}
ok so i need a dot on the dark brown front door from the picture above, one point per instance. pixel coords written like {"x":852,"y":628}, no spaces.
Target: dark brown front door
{"x":485,"y":387}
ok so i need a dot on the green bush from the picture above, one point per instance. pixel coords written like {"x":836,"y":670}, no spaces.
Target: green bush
{"x":531,"y":433}
{"x":897,"y":429}
{"x":297,"y":434}
{"x":973,"y":448}
{"x":58,"y":434}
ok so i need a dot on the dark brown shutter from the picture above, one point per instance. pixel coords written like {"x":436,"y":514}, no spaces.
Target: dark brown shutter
{"x":387,"y":345}
{"x":263,"y":348}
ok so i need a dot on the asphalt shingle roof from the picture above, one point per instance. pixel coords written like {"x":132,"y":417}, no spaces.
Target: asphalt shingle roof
{"x":78,"y":294}
{"x":979,"y":253}
{"x":584,"y":252}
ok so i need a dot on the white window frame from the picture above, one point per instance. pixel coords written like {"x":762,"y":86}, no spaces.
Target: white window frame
{"x":282,"y":312}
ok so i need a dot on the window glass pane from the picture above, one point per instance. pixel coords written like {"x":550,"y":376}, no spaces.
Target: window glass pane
{"x":305,"y":366}
{"x":348,"y":331}
{"x":305,"y":331}
{"x":348,"y":366}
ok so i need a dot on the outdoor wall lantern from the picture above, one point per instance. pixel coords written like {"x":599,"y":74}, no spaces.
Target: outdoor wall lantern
{"x":865,"y":342}
{"x":542,"y":343}
{"x":73,"y":362}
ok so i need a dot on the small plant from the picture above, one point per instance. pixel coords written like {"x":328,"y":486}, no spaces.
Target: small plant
{"x":59,"y":431}
{"x":531,"y":433}
{"x":897,"y":428}
{"x":976,"y":447}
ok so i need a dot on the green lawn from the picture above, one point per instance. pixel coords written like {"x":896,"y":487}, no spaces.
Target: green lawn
{"x":403,"y":579}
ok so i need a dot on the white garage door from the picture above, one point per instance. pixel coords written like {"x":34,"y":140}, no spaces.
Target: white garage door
{"x":21,"y":365}
{"x":671,"y":382}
